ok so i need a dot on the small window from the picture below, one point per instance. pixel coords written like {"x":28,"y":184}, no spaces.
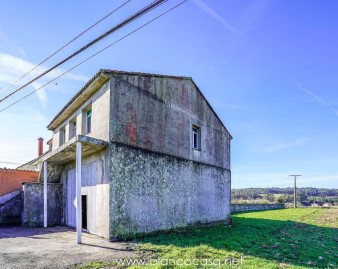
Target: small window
{"x":88,"y":121}
{"x":72,"y":128}
{"x":62,"y":136}
{"x":50,"y":143}
{"x":196,"y":137}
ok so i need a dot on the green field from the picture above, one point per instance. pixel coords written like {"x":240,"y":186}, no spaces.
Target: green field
{"x":287,"y":238}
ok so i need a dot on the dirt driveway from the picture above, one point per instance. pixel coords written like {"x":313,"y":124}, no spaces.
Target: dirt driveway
{"x":55,"y":248}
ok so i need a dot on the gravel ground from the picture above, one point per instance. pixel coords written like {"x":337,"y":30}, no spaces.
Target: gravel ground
{"x":56,"y":248}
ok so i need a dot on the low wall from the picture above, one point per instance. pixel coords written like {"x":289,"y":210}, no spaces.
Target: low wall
{"x":9,"y":196}
{"x":10,"y":211}
{"x":32,"y":214}
{"x":253,"y":207}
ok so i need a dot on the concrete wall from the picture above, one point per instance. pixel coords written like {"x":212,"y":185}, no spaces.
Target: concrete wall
{"x":253,"y":207}
{"x":151,"y":191}
{"x":10,"y":211}
{"x":32,"y":214}
{"x":100,"y":117}
{"x":54,"y":172}
{"x":9,"y":196}
{"x":157,"y":113}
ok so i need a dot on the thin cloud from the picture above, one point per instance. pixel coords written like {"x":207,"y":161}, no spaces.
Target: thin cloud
{"x":207,"y":9}
{"x":284,"y":145}
{"x":251,"y":14}
{"x":6,"y":44}
{"x":12,"y":67}
{"x":320,"y":100}
{"x":41,"y":94}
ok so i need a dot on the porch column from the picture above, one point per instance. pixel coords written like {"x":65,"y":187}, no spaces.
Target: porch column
{"x":78,"y":192}
{"x":45,"y":181}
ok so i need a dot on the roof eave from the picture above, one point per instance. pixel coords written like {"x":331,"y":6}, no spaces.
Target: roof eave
{"x":94,"y":84}
{"x":212,"y":109}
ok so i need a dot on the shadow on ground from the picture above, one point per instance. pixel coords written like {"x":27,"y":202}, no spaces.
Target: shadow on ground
{"x":284,"y":242}
{"x":56,"y":247}
{"x":16,"y":231}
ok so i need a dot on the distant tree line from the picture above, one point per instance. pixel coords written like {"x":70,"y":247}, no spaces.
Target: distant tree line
{"x":285,"y":195}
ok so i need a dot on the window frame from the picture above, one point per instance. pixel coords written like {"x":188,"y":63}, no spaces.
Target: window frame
{"x":72,"y":128}
{"x":88,"y":115}
{"x":196,"y":137}
{"x":62,"y":136}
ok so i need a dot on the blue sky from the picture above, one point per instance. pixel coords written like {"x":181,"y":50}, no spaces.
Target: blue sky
{"x":268,"y":67}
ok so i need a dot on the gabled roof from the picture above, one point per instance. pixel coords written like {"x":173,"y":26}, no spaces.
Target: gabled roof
{"x":104,"y":74}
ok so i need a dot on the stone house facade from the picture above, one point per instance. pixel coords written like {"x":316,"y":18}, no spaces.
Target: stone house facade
{"x":149,"y":150}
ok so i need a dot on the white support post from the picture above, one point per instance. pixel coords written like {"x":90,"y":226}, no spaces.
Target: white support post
{"x":45,"y":181}
{"x":78,"y":192}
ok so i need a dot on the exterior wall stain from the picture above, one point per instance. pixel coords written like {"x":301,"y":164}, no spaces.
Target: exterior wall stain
{"x":10,"y":211}
{"x":151,"y":191}
{"x":32,"y":215}
{"x":54,"y":173}
{"x":157,"y":181}
{"x":154,"y":116}
{"x":149,"y":177}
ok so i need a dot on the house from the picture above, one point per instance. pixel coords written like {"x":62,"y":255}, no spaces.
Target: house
{"x":145,"y":152}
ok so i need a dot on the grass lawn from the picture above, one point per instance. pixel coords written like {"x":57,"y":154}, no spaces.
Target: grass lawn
{"x":287,"y":238}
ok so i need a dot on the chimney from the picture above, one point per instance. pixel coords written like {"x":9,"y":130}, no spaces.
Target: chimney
{"x":40,"y":146}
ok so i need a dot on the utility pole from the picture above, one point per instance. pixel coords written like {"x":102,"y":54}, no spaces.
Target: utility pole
{"x":295,"y":190}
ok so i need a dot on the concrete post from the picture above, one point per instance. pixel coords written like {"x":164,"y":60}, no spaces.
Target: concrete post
{"x":45,"y":190}
{"x":295,"y":193}
{"x":295,"y":190}
{"x":78,"y":192}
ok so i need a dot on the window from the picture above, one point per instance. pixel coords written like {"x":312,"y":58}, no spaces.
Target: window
{"x":196,"y":137}
{"x":88,"y":121}
{"x":62,"y":136}
{"x":50,"y":143}
{"x":72,"y":128}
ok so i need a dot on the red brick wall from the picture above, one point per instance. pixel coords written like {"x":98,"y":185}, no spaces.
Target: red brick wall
{"x":10,"y":179}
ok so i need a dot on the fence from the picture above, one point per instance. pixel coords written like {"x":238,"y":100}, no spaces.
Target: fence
{"x":253,"y":207}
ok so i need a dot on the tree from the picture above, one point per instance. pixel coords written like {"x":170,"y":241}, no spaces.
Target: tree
{"x":280,"y":200}
{"x":270,"y":197}
{"x":302,"y":197}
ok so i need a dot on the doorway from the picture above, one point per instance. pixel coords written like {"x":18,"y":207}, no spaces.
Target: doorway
{"x":84,"y":211}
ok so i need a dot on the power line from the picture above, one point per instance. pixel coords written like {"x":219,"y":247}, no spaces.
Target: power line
{"x":10,"y":163}
{"x":104,"y":35}
{"x":98,"y":52}
{"x":64,"y":46}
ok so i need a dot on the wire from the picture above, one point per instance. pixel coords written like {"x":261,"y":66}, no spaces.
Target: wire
{"x":10,"y":163}
{"x":112,"y":30}
{"x":93,"y":55}
{"x":64,"y":46}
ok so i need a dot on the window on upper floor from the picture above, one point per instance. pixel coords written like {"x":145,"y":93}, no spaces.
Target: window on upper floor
{"x":50,"y":143}
{"x":62,"y":136}
{"x":88,"y":121}
{"x":72,"y":128}
{"x":196,"y":137}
